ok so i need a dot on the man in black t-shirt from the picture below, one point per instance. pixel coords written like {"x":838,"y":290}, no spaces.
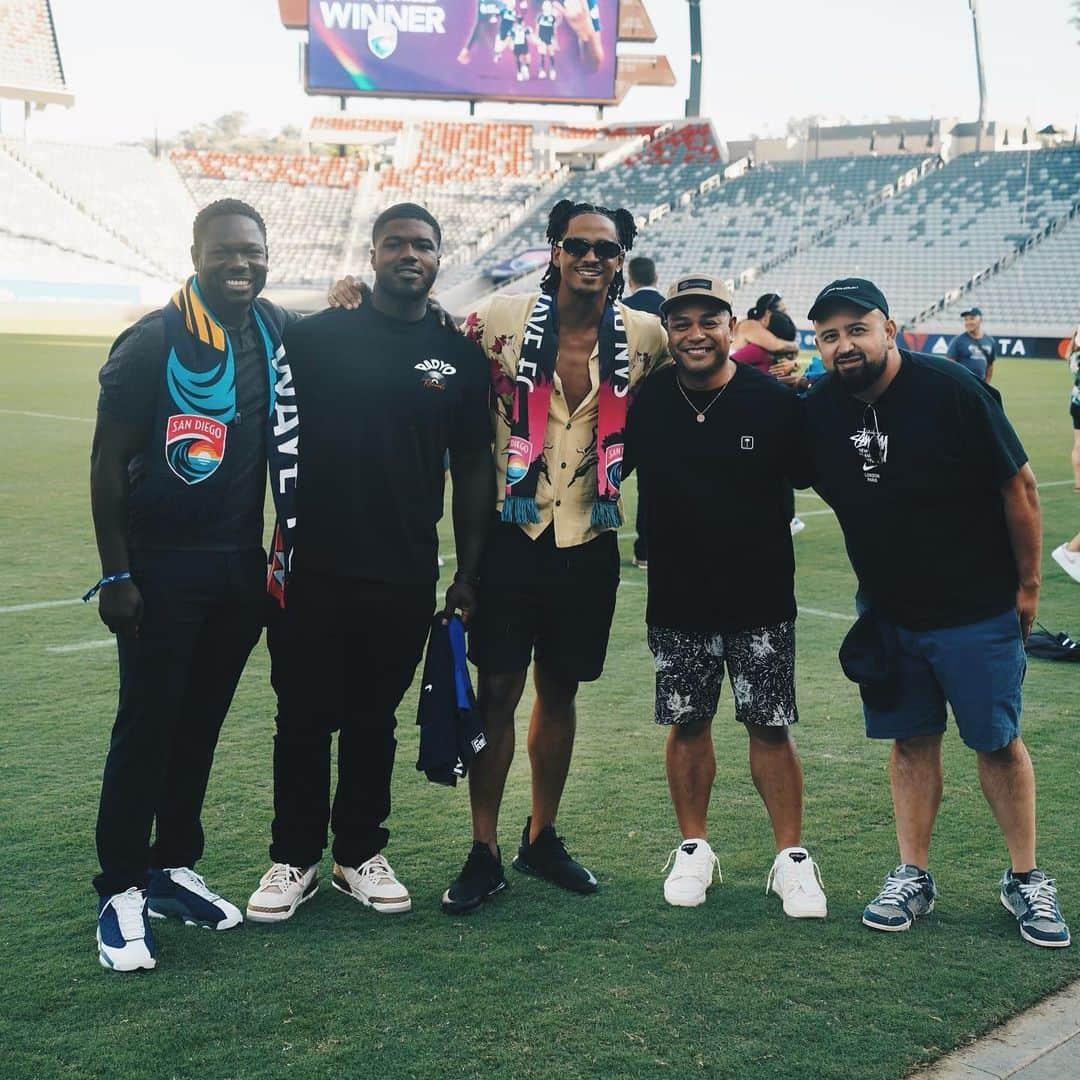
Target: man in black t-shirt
{"x":940,"y":515}
{"x":717,"y":444}
{"x":383,"y":392}
{"x":178,"y":478}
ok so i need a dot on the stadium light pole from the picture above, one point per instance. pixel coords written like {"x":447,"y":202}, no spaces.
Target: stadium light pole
{"x":693,"y":102}
{"x":974,"y":5}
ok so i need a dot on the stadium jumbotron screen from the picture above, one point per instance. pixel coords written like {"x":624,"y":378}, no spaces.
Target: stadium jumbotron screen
{"x":508,"y":50}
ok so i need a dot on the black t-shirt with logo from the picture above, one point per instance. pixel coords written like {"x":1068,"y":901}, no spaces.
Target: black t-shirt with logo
{"x":228,"y":513}
{"x":381,"y":401}
{"x":915,"y":480}
{"x":719,"y":506}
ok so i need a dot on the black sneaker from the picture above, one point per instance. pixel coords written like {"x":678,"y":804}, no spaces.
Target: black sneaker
{"x":547,"y":857}
{"x":481,"y":877}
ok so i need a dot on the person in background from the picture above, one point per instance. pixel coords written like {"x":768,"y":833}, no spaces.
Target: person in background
{"x":780,"y":326}
{"x":643,"y":292}
{"x":1067,"y":556}
{"x":644,"y":295}
{"x":1074,"y":405}
{"x":771,"y":352}
{"x":973,"y":349}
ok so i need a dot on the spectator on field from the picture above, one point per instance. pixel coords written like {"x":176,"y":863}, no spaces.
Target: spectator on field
{"x":1067,"y":556}
{"x":973,"y":349}
{"x":780,"y":327}
{"x":643,"y":292}
{"x":1074,"y":405}
{"x":917,"y":458}
{"x":757,"y":342}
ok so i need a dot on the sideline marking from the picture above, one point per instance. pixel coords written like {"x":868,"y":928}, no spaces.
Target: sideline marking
{"x":47,"y":416}
{"x":37,"y":605}
{"x":80,"y":646}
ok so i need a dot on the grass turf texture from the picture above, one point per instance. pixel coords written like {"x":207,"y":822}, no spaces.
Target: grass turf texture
{"x":538,"y":983}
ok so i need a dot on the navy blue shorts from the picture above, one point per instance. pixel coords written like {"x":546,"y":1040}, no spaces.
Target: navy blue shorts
{"x":977,"y":669}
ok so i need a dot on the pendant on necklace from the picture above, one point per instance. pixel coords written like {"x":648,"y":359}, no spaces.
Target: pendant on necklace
{"x":701,"y":418}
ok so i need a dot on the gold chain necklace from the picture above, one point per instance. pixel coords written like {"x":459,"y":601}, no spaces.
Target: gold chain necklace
{"x":701,"y":412}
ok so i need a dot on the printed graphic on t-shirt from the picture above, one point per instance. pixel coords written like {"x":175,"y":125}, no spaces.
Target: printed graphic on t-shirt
{"x":872,"y":446}
{"x":436,"y":372}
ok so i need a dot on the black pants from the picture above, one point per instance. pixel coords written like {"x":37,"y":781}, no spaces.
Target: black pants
{"x":342,"y":654}
{"x":202,"y":615}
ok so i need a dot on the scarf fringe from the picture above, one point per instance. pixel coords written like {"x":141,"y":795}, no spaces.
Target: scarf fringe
{"x":520,"y":510}
{"x":605,"y":514}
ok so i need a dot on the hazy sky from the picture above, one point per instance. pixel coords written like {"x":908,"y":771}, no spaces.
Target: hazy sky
{"x":136,"y":63}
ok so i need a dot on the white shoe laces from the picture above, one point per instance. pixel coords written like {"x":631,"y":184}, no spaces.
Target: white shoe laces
{"x":693,"y":864}
{"x":378,"y":871}
{"x":898,"y":890}
{"x":281,"y":876}
{"x":129,"y":913}
{"x":1041,"y":897}
{"x":186,"y":878}
{"x":805,"y":876}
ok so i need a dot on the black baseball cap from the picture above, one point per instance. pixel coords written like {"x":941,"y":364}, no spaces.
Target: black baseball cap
{"x":853,"y":290}
{"x":971,"y":311}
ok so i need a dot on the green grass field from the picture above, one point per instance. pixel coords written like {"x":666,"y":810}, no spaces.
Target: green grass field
{"x":539,"y":983}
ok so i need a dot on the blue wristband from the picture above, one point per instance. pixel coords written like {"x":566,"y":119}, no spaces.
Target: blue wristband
{"x":94,"y":589}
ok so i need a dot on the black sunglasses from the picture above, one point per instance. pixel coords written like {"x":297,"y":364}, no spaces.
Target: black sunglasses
{"x":576,"y":246}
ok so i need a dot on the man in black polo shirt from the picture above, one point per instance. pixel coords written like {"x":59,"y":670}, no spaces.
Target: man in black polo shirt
{"x":718,"y":445}
{"x":940,"y":514}
{"x":178,"y":477}
{"x":383,"y":392}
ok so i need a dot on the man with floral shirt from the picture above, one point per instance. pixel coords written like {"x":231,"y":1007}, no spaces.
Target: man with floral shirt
{"x":564,"y":364}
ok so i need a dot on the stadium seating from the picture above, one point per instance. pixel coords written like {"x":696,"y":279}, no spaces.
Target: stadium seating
{"x":32,"y":211}
{"x":295,"y":169}
{"x":29,"y":57}
{"x":1040,"y":288}
{"x":746,"y":222}
{"x":126,"y":191}
{"x":938,"y":233}
{"x":685,"y":144}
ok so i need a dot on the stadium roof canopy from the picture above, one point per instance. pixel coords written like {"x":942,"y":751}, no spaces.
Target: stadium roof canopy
{"x":30,"y":65}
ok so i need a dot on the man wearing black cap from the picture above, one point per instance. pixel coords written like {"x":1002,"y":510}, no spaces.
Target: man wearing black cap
{"x":916,"y":458}
{"x":716,"y":442}
{"x":973,"y":349}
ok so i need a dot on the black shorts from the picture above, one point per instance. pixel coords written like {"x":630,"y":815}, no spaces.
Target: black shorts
{"x":1074,"y":412}
{"x":554,"y":603}
{"x":522,"y":49}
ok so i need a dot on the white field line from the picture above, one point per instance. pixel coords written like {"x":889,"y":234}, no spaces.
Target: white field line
{"x":81,"y":646}
{"x":47,"y":416}
{"x":37,"y":605}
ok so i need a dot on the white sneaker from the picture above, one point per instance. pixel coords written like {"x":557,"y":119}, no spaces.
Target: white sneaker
{"x":1069,"y":561}
{"x":692,"y":873}
{"x":795,"y":878}
{"x":373,"y":883}
{"x":282,"y":889}
{"x":797,"y":526}
{"x":123,"y":932}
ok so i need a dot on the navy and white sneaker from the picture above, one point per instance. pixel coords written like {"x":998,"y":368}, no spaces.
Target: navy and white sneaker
{"x":123,"y":932}
{"x":181,"y":892}
{"x":1034,"y":903}
{"x":908,"y":892}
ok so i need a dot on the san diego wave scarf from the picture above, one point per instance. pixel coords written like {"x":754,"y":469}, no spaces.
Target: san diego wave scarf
{"x":532,"y":401}
{"x":201,"y":379}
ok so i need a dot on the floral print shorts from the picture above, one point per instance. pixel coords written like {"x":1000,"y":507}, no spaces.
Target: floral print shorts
{"x":690,"y":671}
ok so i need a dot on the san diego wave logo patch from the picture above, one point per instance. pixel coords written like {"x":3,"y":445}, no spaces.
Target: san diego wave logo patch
{"x":194,"y":446}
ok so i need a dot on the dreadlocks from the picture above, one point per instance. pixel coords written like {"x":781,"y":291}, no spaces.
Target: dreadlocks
{"x":562,"y":213}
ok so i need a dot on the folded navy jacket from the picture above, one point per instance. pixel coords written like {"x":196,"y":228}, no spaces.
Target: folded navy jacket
{"x":451,"y":732}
